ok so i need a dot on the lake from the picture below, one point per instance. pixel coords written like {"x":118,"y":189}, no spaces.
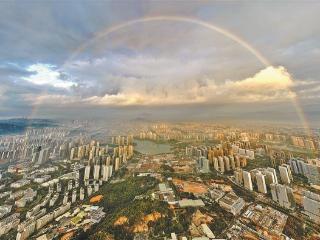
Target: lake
{"x":150,"y":147}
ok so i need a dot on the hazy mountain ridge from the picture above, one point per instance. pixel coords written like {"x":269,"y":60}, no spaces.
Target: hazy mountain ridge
{"x":19,"y":125}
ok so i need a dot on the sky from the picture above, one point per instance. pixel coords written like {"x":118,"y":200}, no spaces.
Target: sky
{"x":160,"y":60}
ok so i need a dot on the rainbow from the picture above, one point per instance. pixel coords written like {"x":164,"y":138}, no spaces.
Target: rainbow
{"x":264,"y":61}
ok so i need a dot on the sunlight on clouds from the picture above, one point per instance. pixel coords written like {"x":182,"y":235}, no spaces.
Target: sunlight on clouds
{"x":269,"y":84}
{"x":270,"y":78}
{"x":44,"y":74}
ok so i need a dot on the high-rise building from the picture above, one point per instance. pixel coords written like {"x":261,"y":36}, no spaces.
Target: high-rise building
{"x":96,"y":187}
{"x":87,"y":172}
{"x":283,"y":195}
{"x":74,"y":196}
{"x":69,"y":185}
{"x":89,"y":191}
{"x":215,"y":164}
{"x":203,"y":164}
{"x":311,"y":205}
{"x":117,"y":164}
{"x":269,"y":177}
{"x":96,"y":172}
{"x":81,"y":195}
{"x":285,"y":173}
{"x":238,"y":174}
{"x":247,"y":182}
{"x":65,"y":198}
{"x":73,"y":153}
{"x":58,"y":187}
{"x":261,"y":183}
{"x":309,"y":169}
{"x":221,"y":164}
{"x":105,"y":173}
{"x":232,"y":162}
{"x":227,"y":163}
{"x":237,"y":161}
{"x":110,"y":171}
{"x":43,"y":156}
{"x":274,"y":173}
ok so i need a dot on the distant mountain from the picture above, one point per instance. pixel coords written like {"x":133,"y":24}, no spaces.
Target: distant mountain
{"x":19,"y":125}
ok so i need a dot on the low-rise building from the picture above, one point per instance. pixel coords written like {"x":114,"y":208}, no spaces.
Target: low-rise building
{"x":232,"y":203}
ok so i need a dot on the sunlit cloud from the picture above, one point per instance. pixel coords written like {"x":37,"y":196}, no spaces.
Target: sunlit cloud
{"x":269,"y":84}
{"x":45,"y":74}
{"x":270,"y":78}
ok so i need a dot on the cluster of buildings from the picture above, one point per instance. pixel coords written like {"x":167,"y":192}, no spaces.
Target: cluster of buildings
{"x":305,"y":142}
{"x":57,"y":173}
{"x":309,"y":168}
{"x":27,"y":197}
{"x":197,"y":132}
{"x":122,"y":140}
{"x":311,"y":205}
{"x":93,"y":151}
{"x":266,"y":218}
{"x":8,"y":223}
{"x":36,"y":220}
{"x":266,"y":180}
{"x":259,"y":222}
{"x":221,"y":159}
{"x":37,"y":145}
{"x":4,"y":210}
{"x":166,"y":193}
{"x":209,"y":132}
{"x":297,"y":141}
{"x":102,"y":162}
{"x":61,"y":221}
{"x":63,"y":192}
{"x":228,"y":201}
{"x":148,"y":135}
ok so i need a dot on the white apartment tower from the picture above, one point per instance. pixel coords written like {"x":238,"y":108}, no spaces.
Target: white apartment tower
{"x":247,"y":180}
{"x":261,"y":183}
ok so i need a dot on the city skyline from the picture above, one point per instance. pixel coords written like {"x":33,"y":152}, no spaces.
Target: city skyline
{"x":159,"y":120}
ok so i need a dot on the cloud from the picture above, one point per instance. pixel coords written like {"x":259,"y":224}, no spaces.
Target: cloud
{"x":270,"y":78}
{"x":151,"y":82}
{"x":163,"y":63}
{"x":269,"y":84}
{"x":45,"y":74}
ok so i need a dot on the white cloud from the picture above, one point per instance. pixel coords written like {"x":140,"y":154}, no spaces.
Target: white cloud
{"x":270,"y":78}
{"x":44,"y":74}
{"x":269,"y":84}
{"x":173,"y":85}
